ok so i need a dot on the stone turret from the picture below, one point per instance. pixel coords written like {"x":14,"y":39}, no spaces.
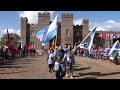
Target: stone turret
{"x":67,"y":29}
{"x":85,"y":31}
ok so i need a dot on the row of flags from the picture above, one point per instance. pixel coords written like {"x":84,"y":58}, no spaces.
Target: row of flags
{"x":114,"y":48}
{"x":9,"y":45}
{"x":107,"y":36}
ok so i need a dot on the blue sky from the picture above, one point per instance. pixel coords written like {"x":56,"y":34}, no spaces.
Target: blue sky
{"x":104,"y":20}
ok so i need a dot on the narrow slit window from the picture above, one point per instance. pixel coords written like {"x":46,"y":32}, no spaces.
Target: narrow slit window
{"x":67,"y":32}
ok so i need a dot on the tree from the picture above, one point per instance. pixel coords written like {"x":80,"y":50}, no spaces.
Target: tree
{"x":15,"y":36}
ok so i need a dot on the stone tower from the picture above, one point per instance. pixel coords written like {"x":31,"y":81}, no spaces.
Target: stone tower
{"x":24,"y":28}
{"x":67,"y":29}
{"x":43,"y":20}
{"x":85,"y":31}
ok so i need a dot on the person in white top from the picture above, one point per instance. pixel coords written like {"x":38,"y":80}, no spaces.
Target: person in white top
{"x":70,"y":61}
{"x":51,"y":60}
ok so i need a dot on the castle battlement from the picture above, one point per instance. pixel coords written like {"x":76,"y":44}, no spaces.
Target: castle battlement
{"x":24,"y":18}
{"x":33,"y":24}
{"x":85,"y":20}
{"x":77,"y":26}
{"x":66,"y":15}
{"x":43,"y":14}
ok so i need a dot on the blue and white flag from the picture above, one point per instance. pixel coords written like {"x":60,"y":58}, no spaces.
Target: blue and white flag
{"x":106,"y":51}
{"x":115,"y":48}
{"x":52,"y":30}
{"x":90,"y":38}
{"x":41,"y":34}
{"x":78,"y":42}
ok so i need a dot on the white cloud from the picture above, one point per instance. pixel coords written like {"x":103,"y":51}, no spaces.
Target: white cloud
{"x":109,"y":25}
{"x":33,"y":15}
{"x":78,"y":22}
{"x":10,"y":30}
{"x":110,"y":21}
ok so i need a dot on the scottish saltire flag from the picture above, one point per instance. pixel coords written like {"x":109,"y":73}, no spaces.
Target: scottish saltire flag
{"x":52,"y":30}
{"x":106,"y":51}
{"x":41,"y":34}
{"x":82,"y":46}
{"x":78,"y":42}
{"x":114,"y":48}
{"x":90,"y":38}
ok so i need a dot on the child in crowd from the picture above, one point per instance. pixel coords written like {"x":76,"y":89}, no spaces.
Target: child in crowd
{"x":51,"y":60}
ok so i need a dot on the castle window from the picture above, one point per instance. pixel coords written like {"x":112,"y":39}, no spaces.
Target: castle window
{"x":67,"y":32}
{"x":32,"y":32}
{"x":43,"y":20}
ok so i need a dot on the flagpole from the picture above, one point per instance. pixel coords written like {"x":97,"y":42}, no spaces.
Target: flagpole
{"x":86,"y":37}
{"x":55,"y":40}
{"x":57,"y":33}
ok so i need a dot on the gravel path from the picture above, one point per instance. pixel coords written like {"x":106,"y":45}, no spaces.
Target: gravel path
{"x":35,"y":67}
{"x":31,"y":67}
